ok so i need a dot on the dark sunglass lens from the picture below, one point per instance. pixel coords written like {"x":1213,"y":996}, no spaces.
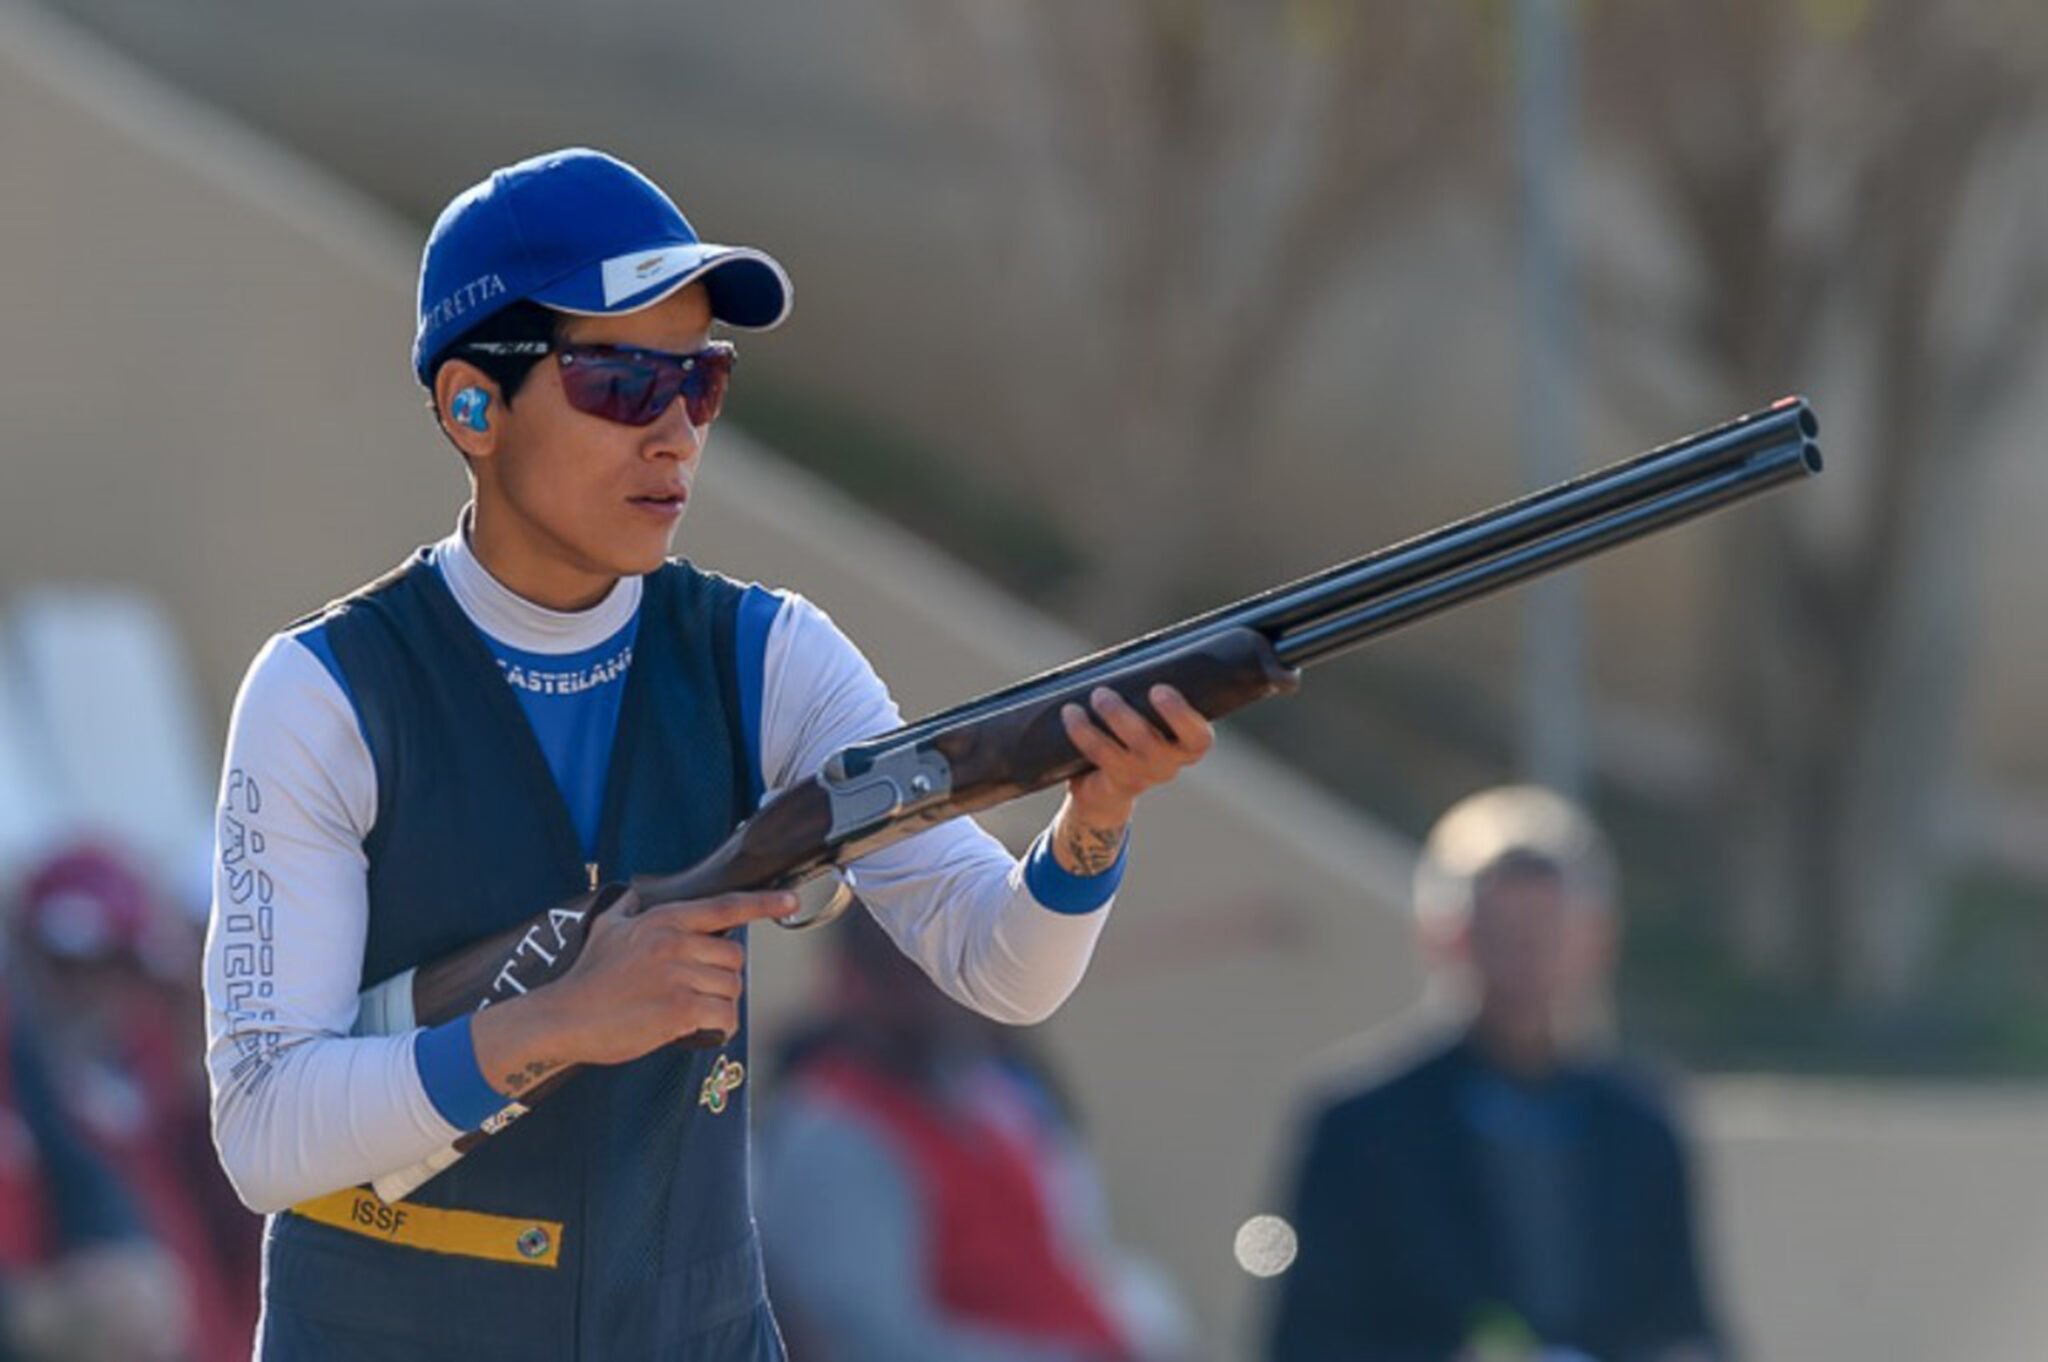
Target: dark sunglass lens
{"x":634,"y":389}
{"x":704,"y":388}
{"x":615,"y":389}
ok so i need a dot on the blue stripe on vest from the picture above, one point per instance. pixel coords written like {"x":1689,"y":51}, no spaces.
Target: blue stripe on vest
{"x":571,"y":701}
{"x":314,"y":638}
{"x":758,"y":608}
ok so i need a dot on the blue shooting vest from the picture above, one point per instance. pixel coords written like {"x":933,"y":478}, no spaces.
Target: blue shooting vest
{"x":643,"y":1170}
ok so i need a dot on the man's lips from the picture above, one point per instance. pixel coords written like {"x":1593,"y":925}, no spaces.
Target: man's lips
{"x":668,"y":501}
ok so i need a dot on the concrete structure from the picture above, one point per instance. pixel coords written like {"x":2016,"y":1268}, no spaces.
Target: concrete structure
{"x":206,"y":395}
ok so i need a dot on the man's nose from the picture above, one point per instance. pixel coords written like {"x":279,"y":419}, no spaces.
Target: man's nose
{"x":673,"y":436}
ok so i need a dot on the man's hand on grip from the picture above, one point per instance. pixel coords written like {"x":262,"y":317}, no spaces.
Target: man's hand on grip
{"x":1132,"y":757}
{"x":646,"y":976}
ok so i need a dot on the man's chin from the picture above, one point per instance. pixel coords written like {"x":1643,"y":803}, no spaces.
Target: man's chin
{"x":646,"y":553}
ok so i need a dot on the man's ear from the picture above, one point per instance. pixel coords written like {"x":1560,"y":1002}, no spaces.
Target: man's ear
{"x":470,"y":423}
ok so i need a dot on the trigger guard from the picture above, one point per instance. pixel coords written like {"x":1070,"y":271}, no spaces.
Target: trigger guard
{"x":835,"y":904}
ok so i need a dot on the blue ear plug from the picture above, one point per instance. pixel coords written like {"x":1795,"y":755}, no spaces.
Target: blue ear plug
{"x":469,"y":407}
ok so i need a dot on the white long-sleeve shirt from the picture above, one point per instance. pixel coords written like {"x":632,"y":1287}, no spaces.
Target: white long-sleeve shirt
{"x":301,"y":1107}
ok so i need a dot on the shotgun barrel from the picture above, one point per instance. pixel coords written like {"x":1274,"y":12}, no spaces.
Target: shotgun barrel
{"x":1543,"y":530}
{"x":1011,"y":742}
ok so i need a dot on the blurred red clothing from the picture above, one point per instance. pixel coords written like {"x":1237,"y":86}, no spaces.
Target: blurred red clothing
{"x":129,"y":1079}
{"x":25,"y":1236}
{"x":143,"y":1114}
{"x":996,"y":1254}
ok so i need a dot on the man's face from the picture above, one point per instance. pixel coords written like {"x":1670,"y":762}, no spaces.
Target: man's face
{"x":568,"y":502}
{"x":1535,"y":953}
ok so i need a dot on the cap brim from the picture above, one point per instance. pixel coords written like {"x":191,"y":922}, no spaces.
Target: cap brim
{"x":747,"y":288}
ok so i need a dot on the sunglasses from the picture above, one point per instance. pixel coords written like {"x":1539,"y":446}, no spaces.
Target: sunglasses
{"x":630,"y":386}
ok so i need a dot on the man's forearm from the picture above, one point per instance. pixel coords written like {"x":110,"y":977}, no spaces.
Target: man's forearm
{"x":1087,"y":844}
{"x":518,"y":1043}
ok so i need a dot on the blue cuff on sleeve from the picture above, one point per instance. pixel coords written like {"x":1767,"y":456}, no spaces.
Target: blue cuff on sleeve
{"x":446,"y":1056}
{"x":1063,"y":891}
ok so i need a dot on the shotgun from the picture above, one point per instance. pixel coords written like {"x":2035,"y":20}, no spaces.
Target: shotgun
{"x":1010,"y":742}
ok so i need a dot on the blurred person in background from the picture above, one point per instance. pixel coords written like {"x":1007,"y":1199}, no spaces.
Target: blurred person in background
{"x":80,"y":1278}
{"x":1514,"y":1194}
{"x":111,"y":969}
{"x":538,"y":703}
{"x":925,"y":1197}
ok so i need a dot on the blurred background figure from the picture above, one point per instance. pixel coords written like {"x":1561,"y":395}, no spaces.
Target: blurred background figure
{"x":924,"y":1194}
{"x":80,"y":1280}
{"x":108,"y":969}
{"x":1512,"y":1193}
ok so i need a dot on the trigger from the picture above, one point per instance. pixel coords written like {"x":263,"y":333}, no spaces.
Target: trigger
{"x":820,"y":900}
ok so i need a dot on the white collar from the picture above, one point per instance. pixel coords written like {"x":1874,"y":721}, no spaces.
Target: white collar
{"x":512,"y":619}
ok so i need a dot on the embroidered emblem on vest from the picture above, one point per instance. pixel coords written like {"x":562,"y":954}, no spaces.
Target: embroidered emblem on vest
{"x":726,"y":1077}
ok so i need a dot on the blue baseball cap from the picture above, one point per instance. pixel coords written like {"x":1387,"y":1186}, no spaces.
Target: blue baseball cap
{"x":582,"y":232}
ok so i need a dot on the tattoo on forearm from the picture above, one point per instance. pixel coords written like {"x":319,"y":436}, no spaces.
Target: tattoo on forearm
{"x":1091,"y":850}
{"x":519,"y":1080}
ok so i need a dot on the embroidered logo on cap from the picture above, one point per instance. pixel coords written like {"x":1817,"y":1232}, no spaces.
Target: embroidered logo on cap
{"x":626,"y":275}
{"x":477,"y":291}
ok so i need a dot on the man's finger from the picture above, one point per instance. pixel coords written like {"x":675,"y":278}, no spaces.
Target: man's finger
{"x":711,"y":983}
{"x":1131,"y":728}
{"x":727,"y":910}
{"x":715,"y":1023}
{"x":1089,"y":740}
{"x":1191,"y":729}
{"x":688,"y":944}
